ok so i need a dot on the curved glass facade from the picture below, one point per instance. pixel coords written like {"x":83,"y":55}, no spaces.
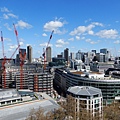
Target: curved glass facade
{"x":109,"y":87}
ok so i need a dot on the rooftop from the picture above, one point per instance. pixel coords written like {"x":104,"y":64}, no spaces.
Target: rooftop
{"x":7,"y":93}
{"x":84,"y":90}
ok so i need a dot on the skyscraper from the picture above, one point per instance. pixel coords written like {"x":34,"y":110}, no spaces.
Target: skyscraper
{"x":29,"y":53}
{"x":23,"y":52}
{"x":104,"y":50}
{"x":48,"y":54}
{"x":66,"y":54}
{"x":72,"y":55}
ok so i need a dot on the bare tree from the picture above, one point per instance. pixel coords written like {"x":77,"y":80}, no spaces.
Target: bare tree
{"x":112,"y":112}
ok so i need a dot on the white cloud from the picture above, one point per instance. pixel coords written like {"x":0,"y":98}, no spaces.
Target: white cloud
{"x":54,"y":25}
{"x":82,"y":38}
{"x":117,"y":42}
{"x":82,"y":29}
{"x":21,"y":43}
{"x":71,"y":39}
{"x":7,"y":16}
{"x":92,"y":42}
{"x":88,"y":20}
{"x":90,"y":32}
{"x":8,"y":39}
{"x":7,"y":26}
{"x":78,"y":30}
{"x":13,"y":16}
{"x":117,"y":21}
{"x":28,"y":45}
{"x":77,"y":37}
{"x":97,"y":24}
{"x":44,"y":44}
{"x":13,"y":46}
{"x":59,"y":46}
{"x":108,"y":33}
{"x":44,"y":34}
{"x":23,"y":25}
{"x":4,"y":9}
{"x":88,"y":40}
{"x":61,"y":43}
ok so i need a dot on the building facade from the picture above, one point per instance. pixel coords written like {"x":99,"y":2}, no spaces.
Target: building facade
{"x":104,"y":50}
{"x":66,"y":54}
{"x":72,"y":56}
{"x":48,"y":54}
{"x":85,"y":101}
{"x":41,"y":82}
{"x":109,"y":86}
{"x":29,"y":54}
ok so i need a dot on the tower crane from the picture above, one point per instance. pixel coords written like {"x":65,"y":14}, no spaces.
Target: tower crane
{"x":44,"y":51}
{"x":22,"y":57}
{"x":17,"y":43}
{"x":3,"y":62}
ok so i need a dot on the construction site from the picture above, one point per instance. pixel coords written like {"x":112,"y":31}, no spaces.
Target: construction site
{"x":21,"y":73}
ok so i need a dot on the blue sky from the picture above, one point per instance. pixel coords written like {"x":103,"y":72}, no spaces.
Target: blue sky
{"x":78,"y":25}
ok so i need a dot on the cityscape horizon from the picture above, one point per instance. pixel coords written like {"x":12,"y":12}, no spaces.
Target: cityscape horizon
{"x":84,"y":25}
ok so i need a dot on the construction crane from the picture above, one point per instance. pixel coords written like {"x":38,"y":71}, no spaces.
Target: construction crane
{"x":17,"y":43}
{"x":44,"y":51}
{"x":22,"y":57}
{"x":3,"y":62}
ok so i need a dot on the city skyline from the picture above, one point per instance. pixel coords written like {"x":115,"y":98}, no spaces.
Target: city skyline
{"x":78,"y":25}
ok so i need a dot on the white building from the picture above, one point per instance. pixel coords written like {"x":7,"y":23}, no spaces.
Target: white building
{"x":85,"y":98}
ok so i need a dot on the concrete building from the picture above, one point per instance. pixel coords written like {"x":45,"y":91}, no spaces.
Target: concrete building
{"x":48,"y":54}
{"x":41,"y":82}
{"x":21,"y":80}
{"x":85,"y":101}
{"x":29,"y":54}
{"x":32,"y":77}
{"x":9,"y":96}
{"x":101,"y":57}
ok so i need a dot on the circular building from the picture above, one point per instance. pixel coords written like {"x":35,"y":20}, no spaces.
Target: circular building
{"x":110,"y":86}
{"x":85,"y":98}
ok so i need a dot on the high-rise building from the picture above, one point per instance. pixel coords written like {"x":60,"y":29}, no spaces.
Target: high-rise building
{"x":23,"y":51}
{"x":66,"y":54}
{"x":48,"y":54}
{"x":79,"y":55}
{"x":59,"y":56}
{"x":62,"y":54}
{"x":72,"y":55}
{"x":94,"y":51}
{"x":104,"y":50}
{"x":29,"y":53}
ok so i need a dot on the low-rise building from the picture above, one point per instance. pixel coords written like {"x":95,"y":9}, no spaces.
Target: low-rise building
{"x":85,"y":101}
